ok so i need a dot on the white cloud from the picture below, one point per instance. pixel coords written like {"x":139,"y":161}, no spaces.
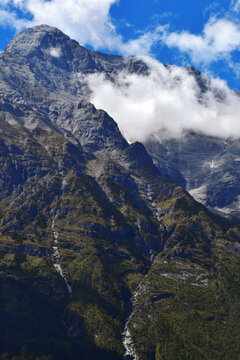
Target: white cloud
{"x":11,"y":19}
{"x":220,"y":37}
{"x":84,"y":20}
{"x":143,"y":44}
{"x":87,"y":21}
{"x":167,"y":100}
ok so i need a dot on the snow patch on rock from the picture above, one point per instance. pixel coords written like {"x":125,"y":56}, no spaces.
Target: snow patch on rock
{"x":199,"y":194}
{"x":55,"y":52}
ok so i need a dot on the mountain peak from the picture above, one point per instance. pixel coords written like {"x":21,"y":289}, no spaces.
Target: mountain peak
{"x":43,"y":28}
{"x":38,"y":32}
{"x":44,"y":46}
{"x":42,"y":38}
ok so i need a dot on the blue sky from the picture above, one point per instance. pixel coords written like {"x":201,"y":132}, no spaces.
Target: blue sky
{"x":205,"y":34}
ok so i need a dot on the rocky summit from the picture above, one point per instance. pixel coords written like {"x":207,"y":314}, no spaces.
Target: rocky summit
{"x":103,"y":253}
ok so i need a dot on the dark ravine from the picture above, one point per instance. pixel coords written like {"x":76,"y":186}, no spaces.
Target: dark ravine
{"x":91,"y":226}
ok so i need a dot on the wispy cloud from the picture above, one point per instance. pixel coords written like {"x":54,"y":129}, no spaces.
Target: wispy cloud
{"x":220,"y":37}
{"x":236,"y":5}
{"x":144,"y":43}
{"x":11,"y":19}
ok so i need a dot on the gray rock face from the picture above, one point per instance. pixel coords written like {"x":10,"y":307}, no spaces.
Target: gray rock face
{"x":41,"y":85}
{"x":47,"y":54}
{"x":208,"y":165}
{"x":94,"y":129}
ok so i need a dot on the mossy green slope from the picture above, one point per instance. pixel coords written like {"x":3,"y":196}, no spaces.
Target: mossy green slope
{"x":187,"y":307}
{"x":116,"y":224}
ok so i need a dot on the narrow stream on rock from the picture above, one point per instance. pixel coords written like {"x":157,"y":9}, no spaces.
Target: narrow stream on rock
{"x":127,"y":340}
{"x":56,"y":255}
{"x":130,"y":353}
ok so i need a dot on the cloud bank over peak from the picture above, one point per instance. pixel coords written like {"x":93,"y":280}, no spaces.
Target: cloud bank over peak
{"x":168,"y":102}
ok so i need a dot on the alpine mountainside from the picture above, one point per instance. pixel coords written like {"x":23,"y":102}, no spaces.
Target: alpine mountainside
{"x":207,"y":166}
{"x":102,"y":255}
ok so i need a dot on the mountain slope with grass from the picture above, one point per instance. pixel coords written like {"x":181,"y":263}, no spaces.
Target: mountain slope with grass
{"x":102,"y":256}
